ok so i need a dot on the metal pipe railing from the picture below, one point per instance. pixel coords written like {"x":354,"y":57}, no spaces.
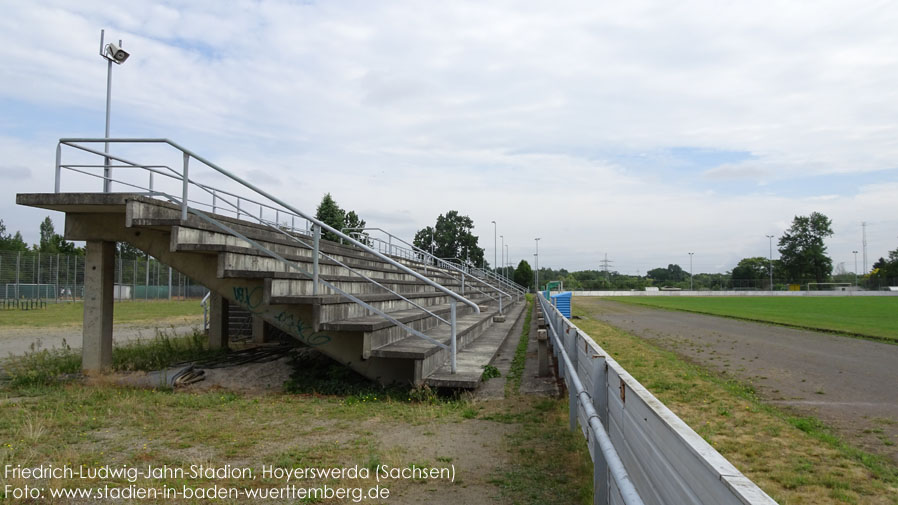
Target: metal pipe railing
{"x":185,"y":209}
{"x":609,"y":453}
{"x":417,"y":251}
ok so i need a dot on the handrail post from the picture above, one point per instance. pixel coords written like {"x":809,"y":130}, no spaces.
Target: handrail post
{"x":500,"y":303}
{"x":184,"y":187}
{"x":463,"y":284}
{"x":316,"y":244}
{"x":214,"y":201}
{"x":453,"y":305}
{"x":238,"y":207}
{"x":58,"y":167}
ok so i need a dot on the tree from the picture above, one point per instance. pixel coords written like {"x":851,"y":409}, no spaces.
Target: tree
{"x":523,"y":274}
{"x":330,"y":214}
{"x":886,"y":270}
{"x":47,"y":233}
{"x":11,"y":242}
{"x":451,"y":237}
{"x":334,"y":216}
{"x":127,"y":251}
{"x":673,"y":273}
{"x":751,"y":270}
{"x":52,"y":242}
{"x":802,"y":251}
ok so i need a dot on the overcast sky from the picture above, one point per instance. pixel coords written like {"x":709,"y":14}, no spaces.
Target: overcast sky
{"x":644,"y":130}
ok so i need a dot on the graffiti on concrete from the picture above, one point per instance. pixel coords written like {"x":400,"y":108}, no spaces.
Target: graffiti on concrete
{"x":248,"y":298}
{"x":299,"y":328}
{"x":251,"y":300}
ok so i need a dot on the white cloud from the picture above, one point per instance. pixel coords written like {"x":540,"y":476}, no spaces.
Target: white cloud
{"x":530,"y":114}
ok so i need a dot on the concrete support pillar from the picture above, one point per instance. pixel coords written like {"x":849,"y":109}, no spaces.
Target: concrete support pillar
{"x":260,"y":330}
{"x":99,"y":270}
{"x":218,"y":322}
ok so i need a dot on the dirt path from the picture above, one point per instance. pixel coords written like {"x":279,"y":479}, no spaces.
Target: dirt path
{"x":18,"y":341}
{"x":851,"y":384}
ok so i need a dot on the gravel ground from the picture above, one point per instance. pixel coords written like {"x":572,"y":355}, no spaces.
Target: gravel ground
{"x":850,"y":384}
{"x":18,"y":341}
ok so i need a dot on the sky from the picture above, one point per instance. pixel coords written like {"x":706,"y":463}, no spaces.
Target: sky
{"x":640,"y":130}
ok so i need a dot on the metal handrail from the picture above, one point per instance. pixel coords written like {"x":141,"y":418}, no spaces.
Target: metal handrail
{"x":612,"y":458}
{"x":502,"y":280}
{"x":296,"y":239}
{"x":417,"y":250}
{"x":185,"y":208}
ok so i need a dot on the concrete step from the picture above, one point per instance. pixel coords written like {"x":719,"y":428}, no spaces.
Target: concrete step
{"x":471,"y":360}
{"x":337,"y":307}
{"x":202,"y":241}
{"x":352,"y":284}
{"x":429,"y":357}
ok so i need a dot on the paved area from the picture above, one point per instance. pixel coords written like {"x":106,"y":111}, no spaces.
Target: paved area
{"x":18,"y":341}
{"x":851,"y":384}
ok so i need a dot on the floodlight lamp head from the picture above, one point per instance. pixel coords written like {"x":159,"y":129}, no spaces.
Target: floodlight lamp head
{"x":116,"y":53}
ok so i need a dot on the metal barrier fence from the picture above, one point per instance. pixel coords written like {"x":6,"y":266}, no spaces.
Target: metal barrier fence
{"x":634,"y":440}
{"x":60,"y":277}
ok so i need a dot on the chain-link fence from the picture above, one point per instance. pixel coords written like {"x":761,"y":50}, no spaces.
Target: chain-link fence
{"x":28,"y":275}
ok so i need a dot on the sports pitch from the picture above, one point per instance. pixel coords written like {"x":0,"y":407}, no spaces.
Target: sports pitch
{"x":874,"y":317}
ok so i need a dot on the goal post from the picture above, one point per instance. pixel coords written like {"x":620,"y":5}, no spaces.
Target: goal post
{"x":830,"y":286}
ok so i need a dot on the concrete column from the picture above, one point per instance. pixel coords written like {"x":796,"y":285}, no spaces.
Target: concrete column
{"x":99,"y":271}
{"x":218,"y":322}
{"x":260,"y":330}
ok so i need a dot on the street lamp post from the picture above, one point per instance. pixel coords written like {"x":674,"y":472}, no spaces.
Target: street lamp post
{"x":536,"y":286}
{"x":113,"y":54}
{"x":690,"y":271}
{"x":495,"y":263}
{"x":507,"y":263}
{"x":770,"y":260}
{"x":855,"y":268}
{"x":501,"y":266}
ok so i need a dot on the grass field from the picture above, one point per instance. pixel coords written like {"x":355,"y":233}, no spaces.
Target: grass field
{"x":515,"y":449}
{"x":794,"y":459}
{"x":875,"y":317}
{"x":71,"y":314}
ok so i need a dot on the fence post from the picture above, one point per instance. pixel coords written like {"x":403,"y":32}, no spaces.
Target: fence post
{"x":316,"y":243}
{"x":601,"y":489}
{"x":169,"y":283}
{"x":18,"y":262}
{"x":58,"y":167}
{"x":453,"y":305}
{"x":184,"y":186}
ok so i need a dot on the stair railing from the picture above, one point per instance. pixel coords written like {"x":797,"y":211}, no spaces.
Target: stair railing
{"x":184,"y":202}
{"x":415,"y":253}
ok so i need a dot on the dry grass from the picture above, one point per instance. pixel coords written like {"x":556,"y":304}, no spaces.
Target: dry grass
{"x":795,"y":460}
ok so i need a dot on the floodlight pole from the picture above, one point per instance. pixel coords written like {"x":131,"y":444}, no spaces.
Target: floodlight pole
{"x":770,"y":261}
{"x":690,"y":271}
{"x":855,"y":268}
{"x":107,"y":171}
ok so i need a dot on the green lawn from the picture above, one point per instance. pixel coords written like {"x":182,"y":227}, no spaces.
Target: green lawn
{"x":71,"y":314}
{"x":875,"y":317}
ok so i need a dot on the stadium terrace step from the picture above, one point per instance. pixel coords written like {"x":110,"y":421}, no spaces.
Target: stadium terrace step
{"x":472,"y":360}
{"x":250,"y":280}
